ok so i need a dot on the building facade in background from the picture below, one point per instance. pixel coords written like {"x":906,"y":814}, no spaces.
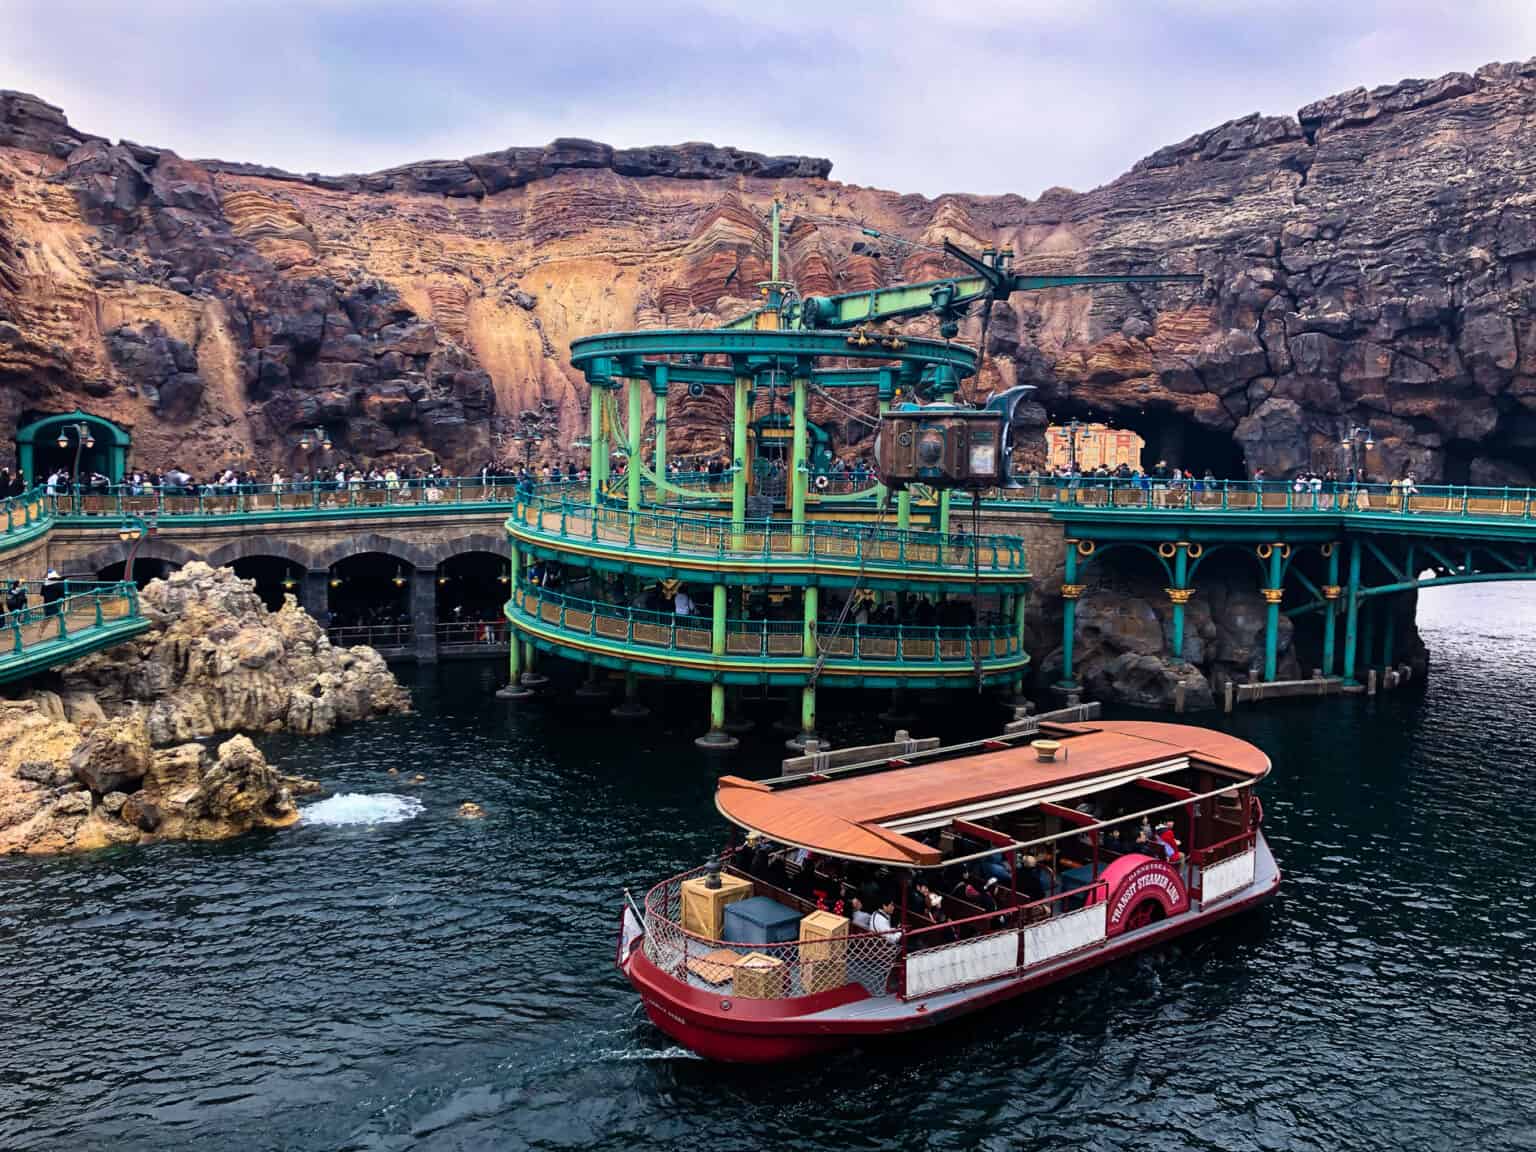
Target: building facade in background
{"x":1098,"y":445}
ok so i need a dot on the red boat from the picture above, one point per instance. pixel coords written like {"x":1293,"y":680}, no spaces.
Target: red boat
{"x":995,"y":868}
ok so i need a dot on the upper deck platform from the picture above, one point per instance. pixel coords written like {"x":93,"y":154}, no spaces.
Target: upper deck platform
{"x":868,"y":814}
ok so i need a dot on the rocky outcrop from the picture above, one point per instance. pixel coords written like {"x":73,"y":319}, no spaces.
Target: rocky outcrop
{"x":113,"y":757}
{"x":217,"y":660}
{"x":1368,"y":261}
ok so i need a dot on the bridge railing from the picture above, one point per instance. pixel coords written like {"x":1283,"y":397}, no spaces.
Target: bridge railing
{"x":64,"y":609}
{"x":316,"y":496}
{"x":767,"y":639}
{"x":568,"y":516}
{"x":18,"y":513}
{"x":372,"y":635}
{"x":1287,"y":496}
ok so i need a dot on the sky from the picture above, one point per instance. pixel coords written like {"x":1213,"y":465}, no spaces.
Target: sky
{"x":929,"y":96}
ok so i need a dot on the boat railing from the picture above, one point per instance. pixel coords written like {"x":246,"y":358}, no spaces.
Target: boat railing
{"x":958,"y":953}
{"x":763,"y":971}
{"x":1223,"y":868}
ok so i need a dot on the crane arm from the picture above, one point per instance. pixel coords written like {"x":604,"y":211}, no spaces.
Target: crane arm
{"x":950,"y":298}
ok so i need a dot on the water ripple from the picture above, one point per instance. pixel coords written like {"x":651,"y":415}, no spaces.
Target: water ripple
{"x":439,"y":983}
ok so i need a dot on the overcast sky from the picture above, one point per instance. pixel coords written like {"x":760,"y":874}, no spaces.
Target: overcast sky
{"x":917,"y":95}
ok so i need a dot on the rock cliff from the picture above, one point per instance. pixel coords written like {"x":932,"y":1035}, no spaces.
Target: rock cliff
{"x":112,"y":757}
{"x":1368,"y":261}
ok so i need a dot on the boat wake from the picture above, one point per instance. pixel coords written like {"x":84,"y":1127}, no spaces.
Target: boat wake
{"x":357,"y":808}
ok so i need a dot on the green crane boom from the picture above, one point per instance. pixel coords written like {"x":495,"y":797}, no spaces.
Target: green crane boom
{"x":950,"y":299}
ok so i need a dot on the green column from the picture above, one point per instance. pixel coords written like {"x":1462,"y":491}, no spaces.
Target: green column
{"x":811,"y":601}
{"x":797,"y":473}
{"x":1272,"y":614}
{"x":717,"y":622}
{"x":1070,"y":591}
{"x":1388,"y":630}
{"x":808,"y":710}
{"x":1331,"y":611}
{"x":596,"y":434}
{"x":1020,"y":607}
{"x":659,"y":457}
{"x":904,"y":509}
{"x":944,"y":514}
{"x":632,"y":469}
{"x":1352,"y":612}
{"x":882,"y":493}
{"x":514,"y":580}
{"x":1176,"y":594}
{"x":1368,"y":634}
{"x":739,"y":459}
{"x":717,"y":735}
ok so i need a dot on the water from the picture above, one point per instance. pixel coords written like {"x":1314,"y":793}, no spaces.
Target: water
{"x":386,"y":975}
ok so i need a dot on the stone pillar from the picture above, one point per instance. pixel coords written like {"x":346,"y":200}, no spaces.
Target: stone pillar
{"x":424,"y":614}
{"x":315,"y":594}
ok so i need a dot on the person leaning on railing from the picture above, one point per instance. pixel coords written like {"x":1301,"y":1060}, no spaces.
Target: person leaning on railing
{"x":15,"y":600}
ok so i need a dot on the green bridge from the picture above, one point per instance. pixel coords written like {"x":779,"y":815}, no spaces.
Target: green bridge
{"x":1336,"y":553}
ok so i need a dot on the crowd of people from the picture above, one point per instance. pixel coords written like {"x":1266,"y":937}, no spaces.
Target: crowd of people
{"x":872,"y":898}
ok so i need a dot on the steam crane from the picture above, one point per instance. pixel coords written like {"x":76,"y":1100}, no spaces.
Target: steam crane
{"x":942,"y":444}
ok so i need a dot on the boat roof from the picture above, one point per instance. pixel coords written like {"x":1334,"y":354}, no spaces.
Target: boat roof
{"x":867,"y":814}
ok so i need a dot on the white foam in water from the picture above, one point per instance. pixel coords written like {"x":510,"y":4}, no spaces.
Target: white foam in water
{"x":357,"y":808}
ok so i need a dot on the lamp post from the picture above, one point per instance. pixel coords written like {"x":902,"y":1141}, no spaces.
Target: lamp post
{"x":132,"y":532}
{"x":83,"y":440}
{"x":528,"y":441}
{"x":1072,"y":428}
{"x":316,"y":437}
{"x":1357,"y":442}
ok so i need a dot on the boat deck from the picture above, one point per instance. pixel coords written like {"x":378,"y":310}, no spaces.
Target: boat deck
{"x":1266,"y":878}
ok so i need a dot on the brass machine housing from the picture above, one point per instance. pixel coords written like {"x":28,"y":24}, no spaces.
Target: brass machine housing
{"x":947,"y":445}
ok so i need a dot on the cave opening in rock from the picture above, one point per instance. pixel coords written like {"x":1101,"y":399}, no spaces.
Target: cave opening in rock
{"x":48,"y":442}
{"x":1166,"y":435}
{"x":145,"y":569}
{"x":472,"y":586}
{"x":274,"y":576}
{"x":370,"y":589}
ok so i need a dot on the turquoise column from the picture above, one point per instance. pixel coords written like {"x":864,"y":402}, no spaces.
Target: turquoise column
{"x":1070,"y":591}
{"x":797,"y":477}
{"x":659,"y":384}
{"x":1020,"y":609}
{"x":514,"y":644}
{"x":1330,"y":610}
{"x":1352,"y":613}
{"x":1368,"y":634}
{"x":1272,"y":596}
{"x":632,"y":465}
{"x":739,"y":461}
{"x":1389,"y":630}
{"x":1179,"y":594}
{"x":599,"y":445}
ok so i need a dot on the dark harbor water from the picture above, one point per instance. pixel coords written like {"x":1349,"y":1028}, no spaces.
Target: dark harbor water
{"x":437,"y":983}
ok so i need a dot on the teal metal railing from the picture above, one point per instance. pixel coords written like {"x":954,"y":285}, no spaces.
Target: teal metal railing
{"x":566,"y":515}
{"x":621,"y":626}
{"x":22,"y":514}
{"x":81,"y":606}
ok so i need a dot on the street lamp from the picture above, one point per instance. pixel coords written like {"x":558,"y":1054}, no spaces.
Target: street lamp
{"x":315,"y":436}
{"x":1357,"y":441}
{"x":132,"y":532}
{"x":83,"y":440}
{"x":528,"y":440}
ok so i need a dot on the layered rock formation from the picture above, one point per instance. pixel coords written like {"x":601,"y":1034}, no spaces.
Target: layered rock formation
{"x":112,"y":758}
{"x":1368,"y":261}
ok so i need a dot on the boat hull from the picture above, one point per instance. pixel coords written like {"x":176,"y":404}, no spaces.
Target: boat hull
{"x":771,"y":1031}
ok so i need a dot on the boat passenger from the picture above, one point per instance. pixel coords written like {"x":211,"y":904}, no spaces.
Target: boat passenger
{"x":1146,"y":846}
{"x":1032,"y":882}
{"x":883,"y":920}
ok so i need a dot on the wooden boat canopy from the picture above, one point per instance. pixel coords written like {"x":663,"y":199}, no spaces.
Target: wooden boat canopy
{"x":870,"y":812}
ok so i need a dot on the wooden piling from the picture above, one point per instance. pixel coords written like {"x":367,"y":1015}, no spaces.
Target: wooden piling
{"x":1178,"y":698}
{"x":1226,"y":697}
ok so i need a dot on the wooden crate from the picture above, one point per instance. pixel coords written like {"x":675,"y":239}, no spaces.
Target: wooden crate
{"x":760,"y":977}
{"x":704,"y":907}
{"x":823,"y":951}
